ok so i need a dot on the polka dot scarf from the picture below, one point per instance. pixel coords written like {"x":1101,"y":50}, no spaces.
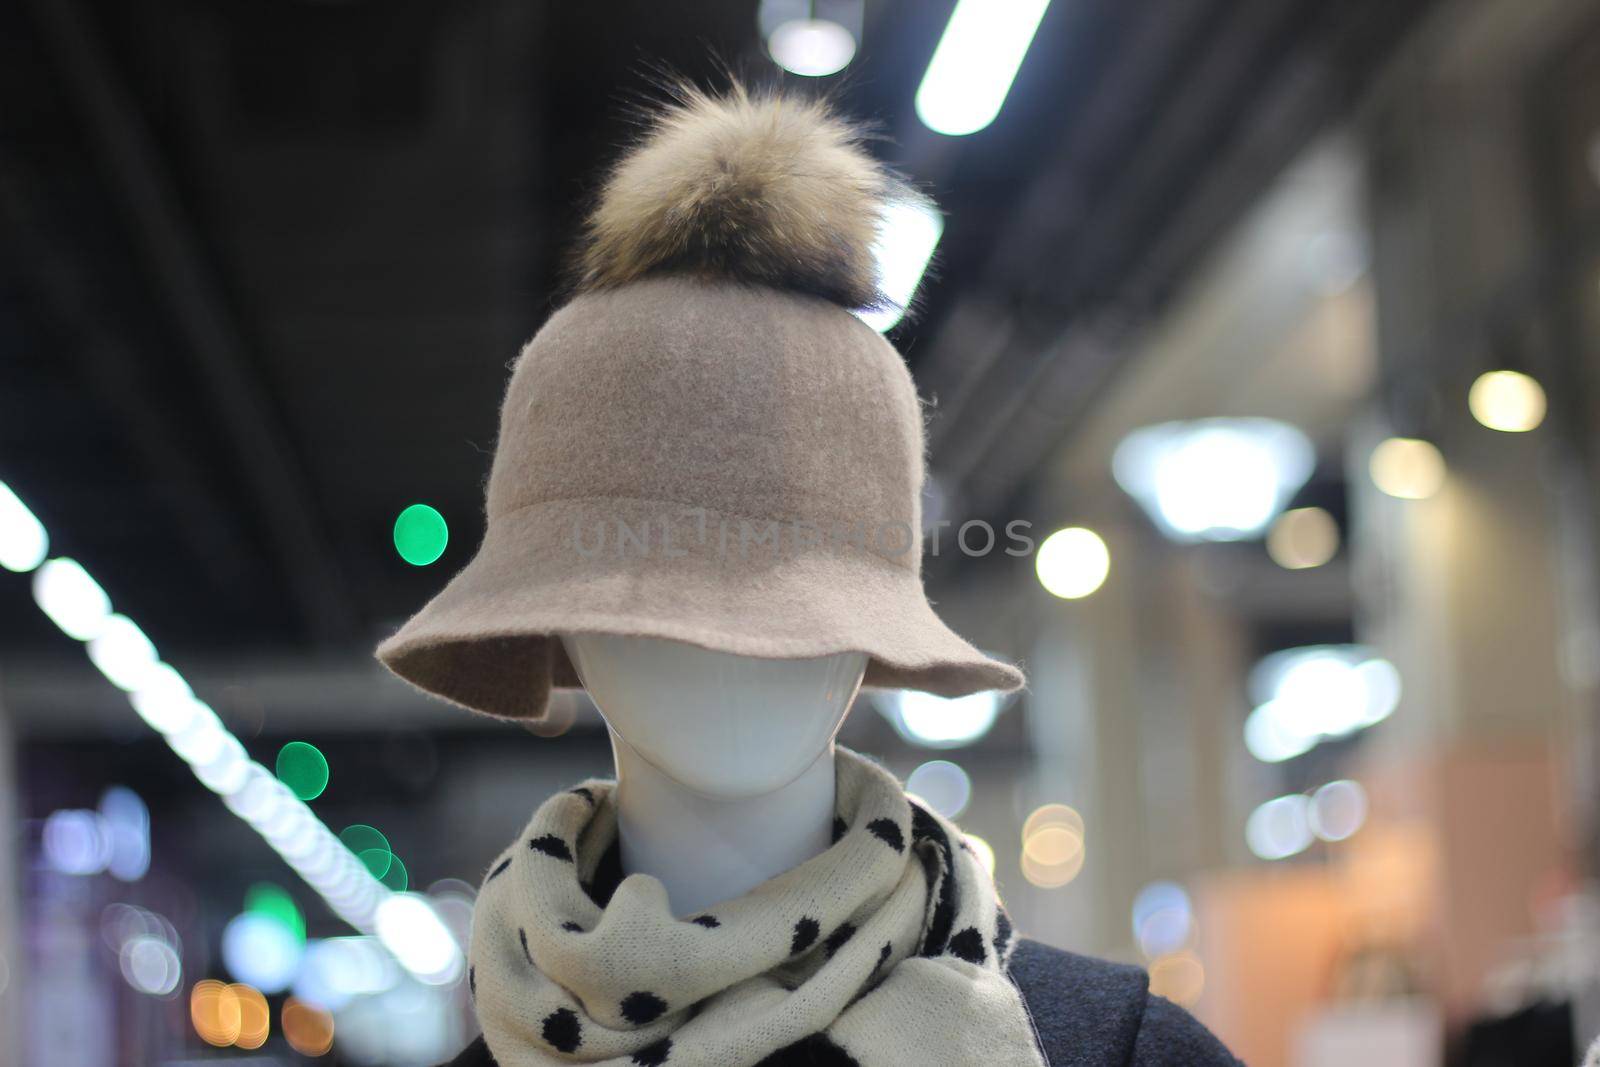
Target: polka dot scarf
{"x":888,"y":948}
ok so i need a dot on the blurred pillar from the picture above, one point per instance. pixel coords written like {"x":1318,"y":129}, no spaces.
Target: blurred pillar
{"x":11,"y":954}
{"x":1133,"y":712}
{"x":1062,"y":733}
{"x":1466,"y":591}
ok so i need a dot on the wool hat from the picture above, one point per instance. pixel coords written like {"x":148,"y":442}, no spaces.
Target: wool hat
{"x":705,"y":444}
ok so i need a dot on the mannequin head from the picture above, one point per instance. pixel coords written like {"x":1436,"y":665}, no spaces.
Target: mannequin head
{"x":724,"y":726}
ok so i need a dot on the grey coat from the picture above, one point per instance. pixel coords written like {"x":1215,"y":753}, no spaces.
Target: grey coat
{"x":1088,"y":1013}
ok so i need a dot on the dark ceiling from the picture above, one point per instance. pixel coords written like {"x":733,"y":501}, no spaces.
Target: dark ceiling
{"x":263,"y":263}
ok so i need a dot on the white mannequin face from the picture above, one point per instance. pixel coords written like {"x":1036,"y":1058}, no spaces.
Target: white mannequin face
{"x":724,"y":726}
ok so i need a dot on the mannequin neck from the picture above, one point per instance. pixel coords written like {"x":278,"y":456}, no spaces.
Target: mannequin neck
{"x":707,"y":850}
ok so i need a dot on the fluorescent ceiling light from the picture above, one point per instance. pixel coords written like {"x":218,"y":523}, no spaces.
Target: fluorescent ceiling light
{"x":23,"y":543}
{"x":123,"y":653}
{"x":906,"y":239}
{"x":73,"y":600}
{"x":410,"y":928}
{"x":975,"y":63}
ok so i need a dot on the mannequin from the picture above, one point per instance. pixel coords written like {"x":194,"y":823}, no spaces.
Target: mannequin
{"x":705,"y":445}
{"x":712,"y":799}
{"x":726,"y":779}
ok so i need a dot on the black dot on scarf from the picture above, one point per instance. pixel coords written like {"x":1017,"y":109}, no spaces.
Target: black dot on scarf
{"x":805,"y":935}
{"x":571,"y":927}
{"x":968,"y":945}
{"x":522,"y":935}
{"x":814,"y":1051}
{"x":641,"y":1008}
{"x":888,"y":831}
{"x":551,"y":845}
{"x":710,"y":922}
{"x":562,"y":1030}
{"x":837,"y":939}
{"x":839,"y":828}
{"x":584,"y":793}
{"x":499,"y":869}
{"x":1002,"y":932}
{"x":472,"y":980}
{"x":654,"y":1054}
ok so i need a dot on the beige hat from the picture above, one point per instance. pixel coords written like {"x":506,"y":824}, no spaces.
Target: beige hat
{"x":705,"y":444}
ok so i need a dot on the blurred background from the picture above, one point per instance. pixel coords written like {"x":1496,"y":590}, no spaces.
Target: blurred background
{"x":1276,"y":321}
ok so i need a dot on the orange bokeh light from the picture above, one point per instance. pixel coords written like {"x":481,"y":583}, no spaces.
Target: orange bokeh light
{"x":308,"y":1028}
{"x":1178,"y":976}
{"x":214,"y":1010}
{"x":255,"y":1018}
{"x":226,"y":1015}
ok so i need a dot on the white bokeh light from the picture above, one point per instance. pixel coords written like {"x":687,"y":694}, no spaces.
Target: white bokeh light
{"x":1072,"y":563}
{"x":1214,"y":479}
{"x":1508,"y":401}
{"x":940,"y":722}
{"x":262,"y":951}
{"x":1162,"y":918}
{"x":1338,"y":810}
{"x":942,"y":785}
{"x":76,"y":842}
{"x":812,"y":48}
{"x":338,"y":969}
{"x":126,"y":822}
{"x":1280,"y":828}
{"x":1308,"y":695}
{"x":150,"y":965}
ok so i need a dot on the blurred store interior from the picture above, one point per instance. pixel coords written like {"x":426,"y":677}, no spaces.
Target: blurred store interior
{"x":1278,"y":323}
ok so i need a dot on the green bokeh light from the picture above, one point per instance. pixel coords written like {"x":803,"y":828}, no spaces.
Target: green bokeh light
{"x":359,"y":838}
{"x":378,"y":861}
{"x":274,"y":901}
{"x":395,"y":876}
{"x":303,"y":768}
{"x":420,"y":535}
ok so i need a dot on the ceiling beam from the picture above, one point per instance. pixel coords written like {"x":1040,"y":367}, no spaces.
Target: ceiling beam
{"x":1228,"y":120}
{"x":166,"y":238}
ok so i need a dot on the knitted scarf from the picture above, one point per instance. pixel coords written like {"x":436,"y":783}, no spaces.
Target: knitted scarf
{"x":889,"y":948}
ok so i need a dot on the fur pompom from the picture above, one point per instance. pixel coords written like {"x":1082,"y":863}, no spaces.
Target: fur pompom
{"x":763,"y":188}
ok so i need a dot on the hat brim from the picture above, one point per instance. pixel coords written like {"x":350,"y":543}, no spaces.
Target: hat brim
{"x":489,"y":641}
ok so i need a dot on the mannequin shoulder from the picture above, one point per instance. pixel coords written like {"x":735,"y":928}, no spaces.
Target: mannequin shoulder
{"x":1087,"y":1012}
{"x":1090,"y":1011}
